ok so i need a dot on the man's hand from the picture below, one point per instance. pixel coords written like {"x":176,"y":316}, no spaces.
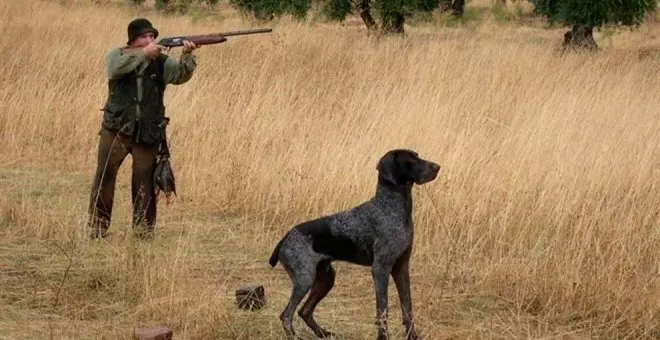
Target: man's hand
{"x":189,"y":46}
{"x":152,"y":50}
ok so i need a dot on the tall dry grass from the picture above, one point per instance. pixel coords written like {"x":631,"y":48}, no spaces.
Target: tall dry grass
{"x":543,"y":223}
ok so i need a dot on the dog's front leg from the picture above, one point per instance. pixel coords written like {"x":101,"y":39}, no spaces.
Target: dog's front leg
{"x":401,"y":276}
{"x":381,"y":274}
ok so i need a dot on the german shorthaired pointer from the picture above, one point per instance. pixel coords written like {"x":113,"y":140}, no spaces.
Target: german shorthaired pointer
{"x":377,"y":233}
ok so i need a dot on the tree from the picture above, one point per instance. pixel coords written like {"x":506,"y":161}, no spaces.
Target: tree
{"x":585,"y":15}
{"x":391,"y":13}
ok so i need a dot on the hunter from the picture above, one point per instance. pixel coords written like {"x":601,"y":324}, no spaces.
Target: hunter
{"x":134,"y":122}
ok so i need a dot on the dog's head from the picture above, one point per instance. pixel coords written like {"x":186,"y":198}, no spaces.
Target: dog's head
{"x":401,"y":166}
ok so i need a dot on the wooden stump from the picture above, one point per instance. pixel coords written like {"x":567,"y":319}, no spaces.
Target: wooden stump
{"x":152,"y":333}
{"x":251,"y":297}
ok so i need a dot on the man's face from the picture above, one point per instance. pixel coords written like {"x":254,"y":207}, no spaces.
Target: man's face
{"x":143,"y":39}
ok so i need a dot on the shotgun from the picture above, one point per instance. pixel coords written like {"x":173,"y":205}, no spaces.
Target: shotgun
{"x":203,"y":39}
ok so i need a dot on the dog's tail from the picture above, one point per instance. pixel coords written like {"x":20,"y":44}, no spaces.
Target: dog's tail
{"x":276,"y":254}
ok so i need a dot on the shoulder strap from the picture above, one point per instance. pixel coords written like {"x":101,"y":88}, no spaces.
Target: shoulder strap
{"x":160,"y":68}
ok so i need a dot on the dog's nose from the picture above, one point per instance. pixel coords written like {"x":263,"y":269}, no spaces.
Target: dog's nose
{"x":435,"y":167}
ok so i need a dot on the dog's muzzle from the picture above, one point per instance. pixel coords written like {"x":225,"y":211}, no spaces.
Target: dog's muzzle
{"x":430,"y":173}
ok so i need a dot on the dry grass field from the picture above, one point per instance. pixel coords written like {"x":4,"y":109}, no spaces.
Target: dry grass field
{"x":543,"y":224}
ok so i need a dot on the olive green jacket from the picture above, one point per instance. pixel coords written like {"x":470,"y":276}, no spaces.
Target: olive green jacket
{"x":175,"y":72}
{"x":135,"y":107}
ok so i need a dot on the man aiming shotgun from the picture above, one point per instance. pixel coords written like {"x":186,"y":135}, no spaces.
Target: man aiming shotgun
{"x":134,"y":122}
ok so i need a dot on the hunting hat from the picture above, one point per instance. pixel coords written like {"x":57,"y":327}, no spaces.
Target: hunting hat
{"x":140,"y":26}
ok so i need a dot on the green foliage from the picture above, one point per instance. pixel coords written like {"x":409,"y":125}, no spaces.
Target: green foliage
{"x":387,"y":10}
{"x":595,"y":13}
{"x":423,"y":5}
{"x":391,"y":12}
{"x":500,"y":13}
{"x":269,"y":9}
{"x":180,"y":6}
{"x":468,"y":15}
{"x":298,"y":8}
{"x":159,"y":4}
{"x":261,"y":9}
{"x":337,"y":10}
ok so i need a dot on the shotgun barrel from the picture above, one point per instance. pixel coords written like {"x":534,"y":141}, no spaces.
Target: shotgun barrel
{"x":207,"y":39}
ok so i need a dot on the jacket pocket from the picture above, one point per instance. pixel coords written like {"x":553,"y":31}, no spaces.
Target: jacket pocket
{"x":115,"y":115}
{"x":151,"y":130}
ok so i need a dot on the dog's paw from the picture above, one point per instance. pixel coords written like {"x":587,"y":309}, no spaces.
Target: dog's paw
{"x":413,"y":336}
{"x":324,"y":333}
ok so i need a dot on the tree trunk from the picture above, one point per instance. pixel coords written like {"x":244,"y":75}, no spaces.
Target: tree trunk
{"x":458,"y":6}
{"x":364,"y":7}
{"x":580,"y":38}
{"x":392,"y":22}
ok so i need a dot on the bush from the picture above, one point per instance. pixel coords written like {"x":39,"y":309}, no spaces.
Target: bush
{"x":180,"y":6}
{"x":337,"y":10}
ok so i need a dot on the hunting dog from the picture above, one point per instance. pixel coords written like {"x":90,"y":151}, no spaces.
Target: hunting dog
{"x":377,"y":233}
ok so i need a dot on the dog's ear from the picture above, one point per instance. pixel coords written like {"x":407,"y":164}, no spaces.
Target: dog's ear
{"x":386,"y":166}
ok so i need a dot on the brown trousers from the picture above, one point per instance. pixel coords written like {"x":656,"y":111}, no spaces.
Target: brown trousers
{"x":113,"y":149}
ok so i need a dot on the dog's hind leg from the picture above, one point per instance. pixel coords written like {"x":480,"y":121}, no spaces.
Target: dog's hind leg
{"x":302,"y":278}
{"x":323,"y":283}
